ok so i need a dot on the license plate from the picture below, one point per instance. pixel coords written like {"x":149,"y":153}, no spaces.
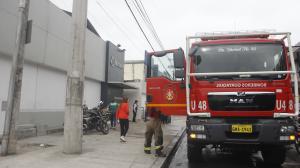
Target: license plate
{"x":241,"y":128}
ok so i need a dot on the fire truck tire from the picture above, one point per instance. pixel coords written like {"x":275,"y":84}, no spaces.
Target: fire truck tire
{"x":274,"y":155}
{"x":194,"y":154}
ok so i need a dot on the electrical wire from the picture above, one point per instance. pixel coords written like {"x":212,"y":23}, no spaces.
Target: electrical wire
{"x":145,"y":21}
{"x":148,"y":20}
{"x":139,"y":25}
{"x":166,"y":70}
{"x":142,"y":11}
{"x":109,"y":34}
{"x":117,"y":25}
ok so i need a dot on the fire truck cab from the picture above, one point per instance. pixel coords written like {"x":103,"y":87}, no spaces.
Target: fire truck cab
{"x":238,"y":90}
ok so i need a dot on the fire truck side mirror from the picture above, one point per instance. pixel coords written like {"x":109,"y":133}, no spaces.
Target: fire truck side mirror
{"x":179,"y":58}
{"x":160,"y":53}
{"x":193,"y":51}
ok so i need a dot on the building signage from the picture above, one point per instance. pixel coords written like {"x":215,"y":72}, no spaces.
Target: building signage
{"x":115,"y":63}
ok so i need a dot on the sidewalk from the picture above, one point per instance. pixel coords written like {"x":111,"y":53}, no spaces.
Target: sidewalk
{"x":101,"y":151}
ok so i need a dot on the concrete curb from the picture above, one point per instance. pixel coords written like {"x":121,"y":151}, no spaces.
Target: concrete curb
{"x":175,"y":144}
{"x":170,"y":149}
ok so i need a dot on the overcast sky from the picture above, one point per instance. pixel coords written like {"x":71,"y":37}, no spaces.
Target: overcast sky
{"x":175,"y":19}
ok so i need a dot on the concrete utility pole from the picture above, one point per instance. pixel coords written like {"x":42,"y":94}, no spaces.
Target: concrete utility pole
{"x":9,"y":141}
{"x":75,"y":82}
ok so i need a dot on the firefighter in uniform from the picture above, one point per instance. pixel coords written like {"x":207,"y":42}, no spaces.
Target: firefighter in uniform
{"x":153,"y":127}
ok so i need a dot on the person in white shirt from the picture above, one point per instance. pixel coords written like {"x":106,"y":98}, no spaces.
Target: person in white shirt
{"x":134,"y":110}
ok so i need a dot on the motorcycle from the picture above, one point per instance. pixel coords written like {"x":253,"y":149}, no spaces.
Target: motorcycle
{"x":104,"y":118}
{"x":95,"y":119}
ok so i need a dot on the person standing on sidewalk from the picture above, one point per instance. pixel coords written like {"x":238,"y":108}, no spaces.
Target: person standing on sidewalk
{"x":112,"y":109}
{"x":134,"y":110}
{"x":122,"y":116}
{"x":153,"y":127}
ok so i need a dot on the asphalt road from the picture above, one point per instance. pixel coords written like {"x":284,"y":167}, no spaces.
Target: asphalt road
{"x":213,"y":159}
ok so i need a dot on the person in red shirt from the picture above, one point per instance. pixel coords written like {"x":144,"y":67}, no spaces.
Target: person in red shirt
{"x":122,"y":115}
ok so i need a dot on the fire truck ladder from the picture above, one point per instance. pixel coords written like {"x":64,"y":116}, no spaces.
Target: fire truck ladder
{"x":286,"y":35}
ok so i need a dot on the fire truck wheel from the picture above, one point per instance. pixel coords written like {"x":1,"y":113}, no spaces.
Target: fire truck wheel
{"x":274,"y":155}
{"x":194,"y":154}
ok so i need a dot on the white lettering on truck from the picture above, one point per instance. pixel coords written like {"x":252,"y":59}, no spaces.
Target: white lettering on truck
{"x":241,"y":85}
{"x":202,"y":105}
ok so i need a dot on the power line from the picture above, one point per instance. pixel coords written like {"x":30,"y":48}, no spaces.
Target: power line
{"x":158,"y":58}
{"x":142,"y":11}
{"x":147,"y":18}
{"x":139,"y":25}
{"x":122,"y":25}
{"x":92,"y":16}
{"x":147,"y":22}
{"x":116,"y":24}
{"x":109,"y":34}
{"x":144,"y":19}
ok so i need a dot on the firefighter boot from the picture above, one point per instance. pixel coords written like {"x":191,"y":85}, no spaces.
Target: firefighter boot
{"x":161,"y":147}
{"x":159,"y":153}
{"x":147,"y":150}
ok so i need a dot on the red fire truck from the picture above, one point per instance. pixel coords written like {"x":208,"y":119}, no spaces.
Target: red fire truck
{"x":238,"y":90}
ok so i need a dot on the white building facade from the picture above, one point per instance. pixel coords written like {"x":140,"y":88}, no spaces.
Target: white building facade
{"x":47,"y":60}
{"x":134,"y":75}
